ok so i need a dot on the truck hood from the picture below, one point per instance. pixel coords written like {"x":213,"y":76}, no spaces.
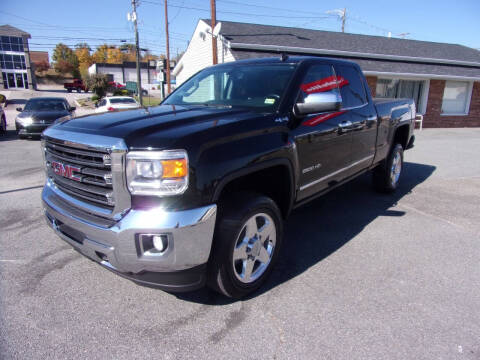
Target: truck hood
{"x":164,"y":126}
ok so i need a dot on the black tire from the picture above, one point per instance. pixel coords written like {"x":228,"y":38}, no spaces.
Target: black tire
{"x":3,"y":125}
{"x":79,"y":90}
{"x":69,"y":90}
{"x":384,"y":179}
{"x":232,"y":218}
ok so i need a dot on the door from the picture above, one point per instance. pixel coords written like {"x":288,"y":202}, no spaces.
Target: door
{"x":19,"y":80}
{"x":11,"y":80}
{"x":323,"y":147}
{"x":362,"y":115}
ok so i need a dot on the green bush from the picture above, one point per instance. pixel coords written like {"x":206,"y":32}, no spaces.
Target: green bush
{"x":120,"y":92}
{"x":95,"y":98}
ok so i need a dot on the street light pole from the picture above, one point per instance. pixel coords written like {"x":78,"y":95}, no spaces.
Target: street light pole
{"x":168,"y":49}
{"x":137,"y":47}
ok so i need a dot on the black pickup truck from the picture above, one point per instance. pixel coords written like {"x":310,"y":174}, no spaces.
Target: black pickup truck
{"x":195,"y":191}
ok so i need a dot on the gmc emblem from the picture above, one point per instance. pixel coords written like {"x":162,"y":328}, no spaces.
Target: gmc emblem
{"x":66,"y":170}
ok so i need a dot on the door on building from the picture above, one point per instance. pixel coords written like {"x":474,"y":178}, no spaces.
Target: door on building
{"x":19,"y":80}
{"x":15,"y":80}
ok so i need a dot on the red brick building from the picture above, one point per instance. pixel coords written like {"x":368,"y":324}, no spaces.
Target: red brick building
{"x":443,"y":79}
{"x":37,"y":57}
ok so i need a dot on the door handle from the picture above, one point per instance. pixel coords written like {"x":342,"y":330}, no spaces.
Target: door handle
{"x":344,"y":126}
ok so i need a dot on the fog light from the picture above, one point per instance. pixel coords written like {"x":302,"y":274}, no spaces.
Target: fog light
{"x":153,"y":244}
{"x":159,"y":242}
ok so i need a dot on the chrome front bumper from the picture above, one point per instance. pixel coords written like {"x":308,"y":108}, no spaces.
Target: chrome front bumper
{"x":116,"y":245}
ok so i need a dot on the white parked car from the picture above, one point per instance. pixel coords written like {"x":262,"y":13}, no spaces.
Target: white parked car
{"x":113,"y":103}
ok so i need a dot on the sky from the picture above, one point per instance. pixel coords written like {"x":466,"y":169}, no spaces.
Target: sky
{"x":105,"y":21}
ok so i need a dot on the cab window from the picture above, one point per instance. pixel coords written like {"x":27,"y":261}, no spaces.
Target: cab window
{"x":351,"y":87}
{"x":319,"y":78}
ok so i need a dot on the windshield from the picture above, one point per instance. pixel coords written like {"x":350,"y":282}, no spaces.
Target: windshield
{"x":122,"y":101}
{"x":254,"y":86}
{"x":45,"y":105}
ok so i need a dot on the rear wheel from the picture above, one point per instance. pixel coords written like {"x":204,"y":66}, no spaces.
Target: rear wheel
{"x":386,"y":176}
{"x":247,"y":241}
{"x":69,"y":90}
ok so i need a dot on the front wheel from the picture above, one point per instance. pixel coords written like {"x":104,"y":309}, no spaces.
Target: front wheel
{"x":3,"y":125}
{"x":246,"y":245}
{"x":386,"y":176}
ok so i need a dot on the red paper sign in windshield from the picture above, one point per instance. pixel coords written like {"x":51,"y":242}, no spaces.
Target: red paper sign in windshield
{"x":325,"y":84}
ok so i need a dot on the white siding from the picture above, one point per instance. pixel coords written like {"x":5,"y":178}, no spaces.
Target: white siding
{"x":199,"y":53}
{"x":115,"y":71}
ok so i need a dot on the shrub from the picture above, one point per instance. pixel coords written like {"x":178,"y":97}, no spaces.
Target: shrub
{"x":98,"y":83}
{"x":95,"y":98}
{"x":120,"y":92}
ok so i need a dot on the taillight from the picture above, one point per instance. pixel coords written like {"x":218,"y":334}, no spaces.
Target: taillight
{"x":111,"y":109}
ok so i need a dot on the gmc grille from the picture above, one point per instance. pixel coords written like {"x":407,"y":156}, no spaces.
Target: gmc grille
{"x":91,"y":180}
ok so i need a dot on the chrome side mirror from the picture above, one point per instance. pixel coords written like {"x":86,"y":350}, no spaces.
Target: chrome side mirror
{"x":319,"y":102}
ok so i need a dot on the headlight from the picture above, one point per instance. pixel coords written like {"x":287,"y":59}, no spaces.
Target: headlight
{"x":157,"y":173}
{"x":25,"y":120}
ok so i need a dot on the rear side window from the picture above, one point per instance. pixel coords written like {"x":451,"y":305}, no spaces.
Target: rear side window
{"x":319,"y":78}
{"x":352,"y":90}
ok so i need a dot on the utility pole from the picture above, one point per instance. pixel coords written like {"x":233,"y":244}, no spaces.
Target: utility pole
{"x":137,"y":48}
{"x":168,"y":49}
{"x":213,"y":9}
{"x":344,"y":17}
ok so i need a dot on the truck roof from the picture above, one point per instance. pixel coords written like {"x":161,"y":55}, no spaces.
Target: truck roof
{"x":288,"y":60}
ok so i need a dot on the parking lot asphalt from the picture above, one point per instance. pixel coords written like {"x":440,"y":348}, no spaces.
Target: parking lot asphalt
{"x":361,"y":276}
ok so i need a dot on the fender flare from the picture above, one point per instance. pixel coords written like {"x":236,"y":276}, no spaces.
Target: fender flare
{"x":257,"y":167}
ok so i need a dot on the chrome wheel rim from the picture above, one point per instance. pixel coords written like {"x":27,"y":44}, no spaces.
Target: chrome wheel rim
{"x":254,"y":248}
{"x":396,"y":168}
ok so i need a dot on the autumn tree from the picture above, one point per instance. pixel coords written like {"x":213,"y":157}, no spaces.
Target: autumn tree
{"x":101,"y":54}
{"x":128,"y":51}
{"x":114,"y":56}
{"x":42,"y":66}
{"x":65,"y":60}
{"x":149,"y":56}
{"x":82,"y":50}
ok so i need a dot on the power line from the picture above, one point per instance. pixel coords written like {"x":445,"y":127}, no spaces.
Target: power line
{"x":270,"y":7}
{"x":239,"y":13}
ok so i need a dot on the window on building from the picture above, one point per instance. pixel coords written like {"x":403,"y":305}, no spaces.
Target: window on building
{"x":397,"y":88}
{"x":352,"y":89}
{"x":11,"y":43}
{"x":456,"y":97}
{"x":12,"y":62}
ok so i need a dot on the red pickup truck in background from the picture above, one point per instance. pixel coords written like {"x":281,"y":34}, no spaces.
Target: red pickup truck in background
{"x":77,"y":84}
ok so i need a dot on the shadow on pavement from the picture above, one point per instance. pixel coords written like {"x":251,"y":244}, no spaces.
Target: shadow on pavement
{"x":11,"y":135}
{"x":321,"y":227}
